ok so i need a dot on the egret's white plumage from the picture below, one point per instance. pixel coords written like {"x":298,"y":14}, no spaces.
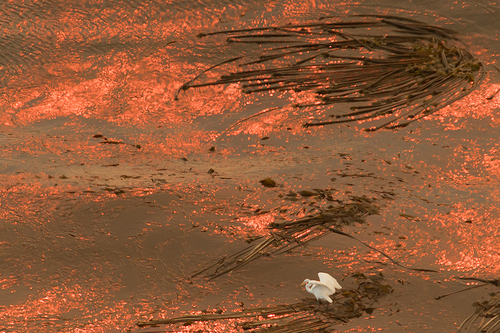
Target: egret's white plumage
{"x":323,"y":288}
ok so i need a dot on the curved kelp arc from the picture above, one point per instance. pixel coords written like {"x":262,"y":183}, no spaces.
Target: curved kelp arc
{"x":388,"y":67}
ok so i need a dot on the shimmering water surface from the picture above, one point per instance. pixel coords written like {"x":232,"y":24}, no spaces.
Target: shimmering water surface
{"x":111,"y":196}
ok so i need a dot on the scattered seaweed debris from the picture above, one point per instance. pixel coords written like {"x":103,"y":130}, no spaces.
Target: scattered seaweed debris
{"x":286,"y":236}
{"x":383,"y":66}
{"x":485,"y":319}
{"x":305,"y":316}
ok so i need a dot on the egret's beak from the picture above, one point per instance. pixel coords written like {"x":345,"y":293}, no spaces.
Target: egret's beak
{"x":302,"y":284}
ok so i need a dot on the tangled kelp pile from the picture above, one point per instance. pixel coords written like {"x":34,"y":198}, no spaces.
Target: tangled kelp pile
{"x":305,"y":316}
{"x":382,"y":66}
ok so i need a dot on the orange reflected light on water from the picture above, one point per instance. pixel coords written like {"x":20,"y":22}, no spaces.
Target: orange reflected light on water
{"x":97,"y":23}
{"x":53,"y":305}
{"x":120,"y":94}
{"x":259,"y":224}
{"x":87,"y":74}
{"x":491,"y":161}
{"x":482,"y":103}
{"x":473,"y":243}
{"x":8,"y":282}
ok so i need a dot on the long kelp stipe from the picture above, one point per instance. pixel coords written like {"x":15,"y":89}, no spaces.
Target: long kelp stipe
{"x":384,"y":67}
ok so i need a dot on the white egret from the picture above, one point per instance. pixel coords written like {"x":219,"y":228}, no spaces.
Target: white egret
{"x":323,"y":288}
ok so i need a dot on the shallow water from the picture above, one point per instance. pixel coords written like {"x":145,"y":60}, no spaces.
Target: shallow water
{"x":111,"y":198}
